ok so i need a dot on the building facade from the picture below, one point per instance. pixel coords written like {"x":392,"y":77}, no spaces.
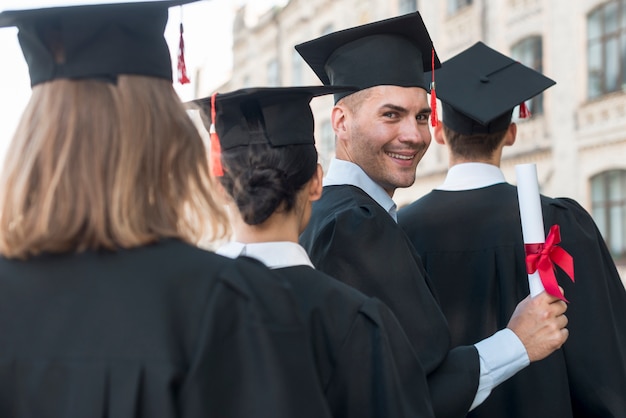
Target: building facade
{"x":577,"y":134}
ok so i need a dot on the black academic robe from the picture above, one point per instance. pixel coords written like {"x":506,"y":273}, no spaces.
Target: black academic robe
{"x":352,"y":238}
{"x":472,"y":247}
{"x":166,"y":330}
{"x":366,"y":365}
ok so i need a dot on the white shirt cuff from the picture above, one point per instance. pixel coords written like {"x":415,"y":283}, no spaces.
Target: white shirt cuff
{"x":501,"y":356}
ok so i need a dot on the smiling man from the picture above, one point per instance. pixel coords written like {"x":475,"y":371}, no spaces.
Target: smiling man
{"x":381,"y":135}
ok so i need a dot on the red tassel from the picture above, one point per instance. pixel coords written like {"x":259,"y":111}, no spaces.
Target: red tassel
{"x":216,"y":150}
{"x":433,"y":94}
{"x":524,"y":111}
{"x":182,"y":68}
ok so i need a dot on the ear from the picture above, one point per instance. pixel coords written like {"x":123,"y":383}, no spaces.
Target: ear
{"x":511,"y":134}
{"x":438,"y":134}
{"x":315,"y":184}
{"x":338,"y":119}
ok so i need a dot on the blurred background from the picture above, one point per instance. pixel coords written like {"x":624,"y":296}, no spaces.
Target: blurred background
{"x":577,"y":132}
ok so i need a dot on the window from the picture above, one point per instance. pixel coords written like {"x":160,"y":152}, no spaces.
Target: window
{"x":530,"y":53}
{"x":407,"y":6}
{"x":608,"y":200}
{"x":326,"y":145}
{"x":296,"y":69}
{"x":606,"y":48}
{"x":455,"y":5}
{"x":273,"y":78}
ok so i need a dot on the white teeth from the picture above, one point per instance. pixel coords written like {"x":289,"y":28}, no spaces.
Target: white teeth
{"x":399,"y":156}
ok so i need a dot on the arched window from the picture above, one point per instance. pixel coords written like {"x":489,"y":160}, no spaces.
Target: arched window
{"x":608,"y":197}
{"x":529,"y":52}
{"x":606,"y":48}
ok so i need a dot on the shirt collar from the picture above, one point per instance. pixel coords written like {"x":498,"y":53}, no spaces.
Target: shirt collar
{"x":468,"y":176}
{"x":341,"y":172}
{"x":273,"y":254}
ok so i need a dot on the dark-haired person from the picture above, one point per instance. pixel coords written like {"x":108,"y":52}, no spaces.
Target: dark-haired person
{"x":381,"y":133}
{"x":469,"y":227}
{"x":365,"y":364}
{"x":107,"y":306}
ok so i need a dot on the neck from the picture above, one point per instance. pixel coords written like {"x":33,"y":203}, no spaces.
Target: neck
{"x":494,"y":159}
{"x":278,"y":227}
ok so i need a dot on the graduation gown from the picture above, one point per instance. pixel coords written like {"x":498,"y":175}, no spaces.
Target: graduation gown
{"x":166,"y":330}
{"x":366,"y":365}
{"x":353,"y":239}
{"x":472,"y":247}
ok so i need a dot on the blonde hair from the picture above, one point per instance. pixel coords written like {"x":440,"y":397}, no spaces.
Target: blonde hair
{"x":97,"y":165}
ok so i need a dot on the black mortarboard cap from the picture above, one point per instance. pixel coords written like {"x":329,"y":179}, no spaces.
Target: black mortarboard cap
{"x":480,"y":87}
{"x":275,"y":115}
{"x":94,"y":41}
{"x":394,"y":51}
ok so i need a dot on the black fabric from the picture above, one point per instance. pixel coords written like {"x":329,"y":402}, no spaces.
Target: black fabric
{"x":472,"y":247}
{"x":364,"y":360}
{"x":94,"y":41}
{"x":353,"y":239}
{"x":480,"y":87}
{"x":268,"y":115}
{"x":166,"y":330}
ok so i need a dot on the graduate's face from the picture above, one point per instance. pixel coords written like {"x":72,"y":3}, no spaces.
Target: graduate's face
{"x":387,"y":134}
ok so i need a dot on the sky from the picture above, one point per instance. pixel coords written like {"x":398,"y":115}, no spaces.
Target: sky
{"x":208,"y":42}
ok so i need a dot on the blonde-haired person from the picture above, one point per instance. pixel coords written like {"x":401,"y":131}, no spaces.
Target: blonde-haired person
{"x":107,"y":306}
{"x":113,"y":173}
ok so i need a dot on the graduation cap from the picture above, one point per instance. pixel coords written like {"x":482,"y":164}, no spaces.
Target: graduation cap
{"x":480,"y":87}
{"x":277,"y":116}
{"x":95,"y":40}
{"x":394,"y":51}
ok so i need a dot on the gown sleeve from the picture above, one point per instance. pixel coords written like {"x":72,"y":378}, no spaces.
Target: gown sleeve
{"x":378,"y":373}
{"x":596,"y":348}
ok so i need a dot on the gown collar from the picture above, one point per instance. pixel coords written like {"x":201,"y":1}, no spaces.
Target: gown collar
{"x":341,"y":172}
{"x":273,"y":254}
{"x":468,"y":176}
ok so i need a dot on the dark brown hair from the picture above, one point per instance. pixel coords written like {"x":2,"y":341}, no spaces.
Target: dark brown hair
{"x":476,"y":146}
{"x":262,"y":179}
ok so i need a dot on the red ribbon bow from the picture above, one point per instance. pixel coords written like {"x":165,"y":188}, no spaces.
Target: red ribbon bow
{"x":542,"y":257}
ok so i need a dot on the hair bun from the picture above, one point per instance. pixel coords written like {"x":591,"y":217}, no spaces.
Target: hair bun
{"x":259,"y":191}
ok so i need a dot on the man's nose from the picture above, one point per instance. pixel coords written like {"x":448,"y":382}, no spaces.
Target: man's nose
{"x":414,"y":132}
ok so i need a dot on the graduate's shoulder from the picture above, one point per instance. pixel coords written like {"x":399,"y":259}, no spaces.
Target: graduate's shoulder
{"x":340,"y":199}
{"x":249,"y":282}
{"x":567,"y":211}
{"x":343,"y":208}
{"x":327,"y":293}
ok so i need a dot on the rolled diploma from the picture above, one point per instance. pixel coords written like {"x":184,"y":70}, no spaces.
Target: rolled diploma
{"x":530,"y":214}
